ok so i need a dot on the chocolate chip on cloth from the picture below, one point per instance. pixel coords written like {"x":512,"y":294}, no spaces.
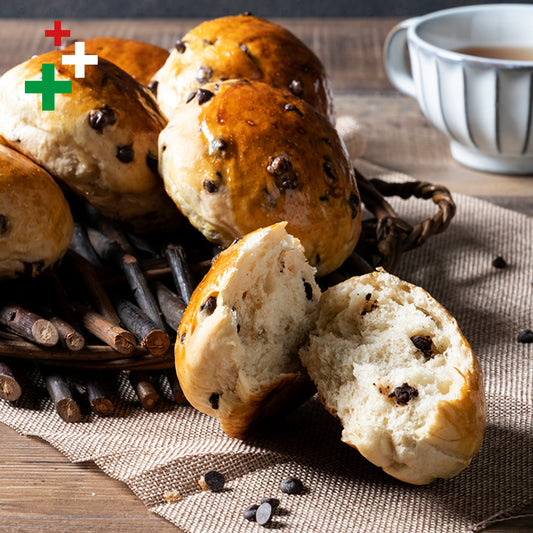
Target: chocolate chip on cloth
{"x":35,"y":221}
{"x":243,"y":159}
{"x":139,"y":59}
{"x":100,"y":140}
{"x":243,"y":47}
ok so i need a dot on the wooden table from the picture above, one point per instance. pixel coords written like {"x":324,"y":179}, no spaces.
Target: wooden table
{"x":40,"y":489}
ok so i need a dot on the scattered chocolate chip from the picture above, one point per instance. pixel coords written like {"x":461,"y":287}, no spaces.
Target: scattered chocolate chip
{"x":308,"y":290}
{"x":403,"y":394}
{"x":354,"y":203}
{"x":291,"y":485}
{"x":210,"y":186}
{"x":330,"y":170}
{"x":292,"y":107}
{"x":525,"y":336}
{"x":164,"y":148}
{"x":101,"y":117}
{"x":263,"y":514}
{"x":182,"y":338}
{"x":368,"y":296}
{"x":204,"y":74}
{"x":209,"y":305}
{"x":296,"y":87}
{"x":181,"y":46}
{"x":151,"y":161}
{"x":3,"y":225}
{"x":217,"y":146}
{"x":249,"y":512}
{"x":213,"y":481}
{"x":204,"y":96}
{"x":499,"y":262}
{"x":216,"y":87}
{"x":213,"y":400}
{"x":125,"y":153}
{"x":324,"y":198}
{"x":274,"y":502}
{"x":153,"y":87}
{"x":247,"y":14}
{"x":245,"y":49}
{"x":235,"y":241}
{"x":238,"y":328}
{"x":250,"y":123}
{"x":191,"y":96}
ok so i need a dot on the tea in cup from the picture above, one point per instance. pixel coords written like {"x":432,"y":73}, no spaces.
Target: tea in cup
{"x":471,"y":71}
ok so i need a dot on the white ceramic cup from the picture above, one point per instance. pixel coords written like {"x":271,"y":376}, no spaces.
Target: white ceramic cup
{"x":483,"y":105}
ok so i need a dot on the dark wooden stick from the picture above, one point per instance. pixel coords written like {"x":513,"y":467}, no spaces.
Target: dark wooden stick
{"x":175,"y":387}
{"x":141,"y":382}
{"x":118,"y":338}
{"x":137,"y":281}
{"x":171,"y":304}
{"x":21,"y":349}
{"x":97,"y":294}
{"x":82,"y":246}
{"x":61,"y":394}
{"x":10,"y":388}
{"x":98,"y":400}
{"x":177,"y":260}
{"x":155,"y":340}
{"x":28,"y":325}
{"x":70,"y":338}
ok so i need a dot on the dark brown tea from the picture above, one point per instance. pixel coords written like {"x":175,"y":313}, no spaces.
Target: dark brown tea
{"x":511,"y":53}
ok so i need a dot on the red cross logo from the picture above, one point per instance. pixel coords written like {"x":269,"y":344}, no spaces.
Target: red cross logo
{"x":57,"y":33}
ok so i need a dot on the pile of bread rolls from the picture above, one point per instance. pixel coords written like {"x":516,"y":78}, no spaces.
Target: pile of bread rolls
{"x":234,"y":131}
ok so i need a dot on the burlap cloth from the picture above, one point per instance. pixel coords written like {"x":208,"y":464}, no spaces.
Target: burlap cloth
{"x":169,"y":450}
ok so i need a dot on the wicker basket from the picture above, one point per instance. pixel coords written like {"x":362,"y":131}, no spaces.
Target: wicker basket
{"x":385,"y":236}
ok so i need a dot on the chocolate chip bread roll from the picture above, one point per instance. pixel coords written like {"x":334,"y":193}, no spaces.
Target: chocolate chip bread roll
{"x":100,"y":141}
{"x":139,"y":59}
{"x":393,"y":365}
{"x":242,"y":47}
{"x":35,"y":221}
{"x":237,"y":344}
{"x":242,"y":155}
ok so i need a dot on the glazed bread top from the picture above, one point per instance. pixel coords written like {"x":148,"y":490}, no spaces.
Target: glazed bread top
{"x":242,"y":155}
{"x":243,"y":47}
{"x":101,"y":139}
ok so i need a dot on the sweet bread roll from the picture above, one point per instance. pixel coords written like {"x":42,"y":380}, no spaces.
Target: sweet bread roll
{"x":392,"y":364}
{"x":139,"y":59}
{"x":100,"y":141}
{"x":242,"y":155}
{"x":242,"y":47}
{"x":237,"y":345}
{"x":35,"y":221}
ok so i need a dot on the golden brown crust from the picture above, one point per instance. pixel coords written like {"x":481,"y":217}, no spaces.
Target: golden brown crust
{"x":243,"y":47}
{"x":253,"y":155}
{"x":35,"y":220}
{"x":205,"y":359}
{"x":139,"y":59}
{"x":101,"y":139}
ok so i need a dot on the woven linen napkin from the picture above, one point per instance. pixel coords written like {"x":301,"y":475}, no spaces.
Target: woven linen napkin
{"x":168,"y":450}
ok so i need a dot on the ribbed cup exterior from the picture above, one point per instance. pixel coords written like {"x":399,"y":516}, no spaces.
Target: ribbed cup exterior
{"x":479,"y":104}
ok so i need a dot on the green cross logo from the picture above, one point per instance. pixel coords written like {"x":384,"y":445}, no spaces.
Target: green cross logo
{"x":48,"y":87}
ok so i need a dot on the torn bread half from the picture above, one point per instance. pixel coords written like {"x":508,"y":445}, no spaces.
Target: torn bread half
{"x":237,"y":345}
{"x":392,"y":364}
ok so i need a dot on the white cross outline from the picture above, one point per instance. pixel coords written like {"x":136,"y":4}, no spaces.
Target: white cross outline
{"x":79,"y":59}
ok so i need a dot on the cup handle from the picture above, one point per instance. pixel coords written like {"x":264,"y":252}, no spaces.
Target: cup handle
{"x":396,"y":65}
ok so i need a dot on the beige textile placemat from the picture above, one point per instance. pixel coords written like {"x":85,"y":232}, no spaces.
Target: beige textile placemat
{"x":170,"y":449}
